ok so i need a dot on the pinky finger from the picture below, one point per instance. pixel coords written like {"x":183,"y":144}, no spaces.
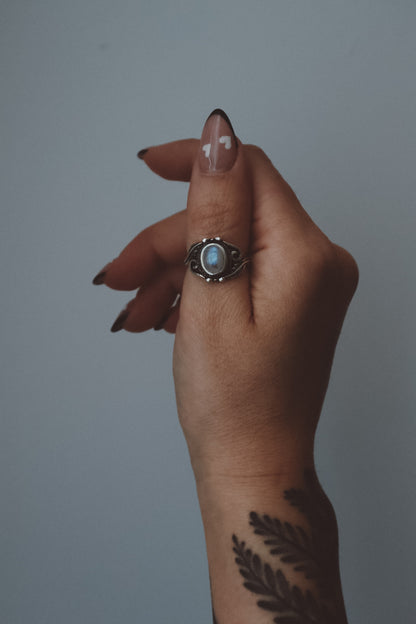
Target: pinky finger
{"x":152,"y":303}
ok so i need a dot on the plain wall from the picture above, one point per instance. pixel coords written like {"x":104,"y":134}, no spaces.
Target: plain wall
{"x":99,"y":516}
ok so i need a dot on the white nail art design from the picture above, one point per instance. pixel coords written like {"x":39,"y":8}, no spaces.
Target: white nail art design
{"x":226,"y":140}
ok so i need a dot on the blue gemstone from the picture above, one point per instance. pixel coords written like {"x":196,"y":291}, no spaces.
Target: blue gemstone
{"x":213,"y":259}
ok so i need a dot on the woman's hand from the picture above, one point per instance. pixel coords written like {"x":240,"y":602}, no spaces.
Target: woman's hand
{"x":252,"y":355}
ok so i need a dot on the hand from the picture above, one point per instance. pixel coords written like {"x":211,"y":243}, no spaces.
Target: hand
{"x":252,"y":355}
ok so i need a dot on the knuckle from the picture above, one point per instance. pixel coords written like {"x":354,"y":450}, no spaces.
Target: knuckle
{"x":256,"y":154}
{"x":314,"y":272}
{"x":255,"y":150}
{"x":319,"y":261}
{"x":328,"y":267}
{"x":348,"y":268}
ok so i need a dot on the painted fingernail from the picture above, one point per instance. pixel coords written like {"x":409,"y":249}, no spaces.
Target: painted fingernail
{"x":120,"y":320}
{"x":218,"y":148}
{"x":142,"y":153}
{"x":100,"y":277}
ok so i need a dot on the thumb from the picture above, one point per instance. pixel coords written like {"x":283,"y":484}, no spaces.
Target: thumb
{"x":219,"y":205}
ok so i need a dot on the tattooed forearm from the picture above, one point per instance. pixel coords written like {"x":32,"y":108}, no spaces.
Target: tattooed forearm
{"x":312,"y":554}
{"x":294,"y":605}
{"x":292,"y":543}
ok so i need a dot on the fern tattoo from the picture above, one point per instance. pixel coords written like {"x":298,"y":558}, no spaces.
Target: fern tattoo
{"x":314,"y":554}
{"x":295,"y":606}
{"x":293,"y":544}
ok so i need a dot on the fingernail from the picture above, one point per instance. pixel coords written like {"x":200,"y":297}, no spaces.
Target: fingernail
{"x":218,"y":149}
{"x":142,"y":153}
{"x":120,"y":320}
{"x":100,"y":277}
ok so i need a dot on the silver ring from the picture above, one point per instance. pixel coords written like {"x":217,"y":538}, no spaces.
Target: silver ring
{"x":215,"y":260}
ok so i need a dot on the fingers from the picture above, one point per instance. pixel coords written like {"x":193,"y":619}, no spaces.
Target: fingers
{"x":170,"y":322}
{"x":273,"y":199}
{"x":219,"y":205}
{"x":152,"y":306}
{"x":172,"y":161}
{"x":164,"y":244}
{"x":235,"y":193}
{"x":220,"y":197}
{"x":158,"y":246}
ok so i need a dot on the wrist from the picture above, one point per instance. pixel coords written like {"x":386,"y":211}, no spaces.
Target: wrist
{"x":269,"y":527}
{"x":245,"y":438}
{"x":245,"y":464}
{"x":239,"y":494}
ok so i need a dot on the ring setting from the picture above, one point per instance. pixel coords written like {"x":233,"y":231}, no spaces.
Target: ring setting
{"x":215,"y":260}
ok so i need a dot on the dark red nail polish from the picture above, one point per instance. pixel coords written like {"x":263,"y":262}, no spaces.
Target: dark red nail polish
{"x":100,"y":277}
{"x":119,"y":322}
{"x":142,"y":153}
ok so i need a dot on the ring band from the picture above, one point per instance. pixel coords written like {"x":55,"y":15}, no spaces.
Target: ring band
{"x":215,"y":260}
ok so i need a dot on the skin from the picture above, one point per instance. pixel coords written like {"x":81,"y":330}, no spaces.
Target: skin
{"x":251,"y":364}
{"x":267,"y":337}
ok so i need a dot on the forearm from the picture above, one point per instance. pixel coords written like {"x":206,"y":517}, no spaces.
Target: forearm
{"x":272,"y":546}
{"x":251,"y":364}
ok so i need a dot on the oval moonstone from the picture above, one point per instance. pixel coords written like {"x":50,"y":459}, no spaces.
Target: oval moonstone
{"x":213,"y":259}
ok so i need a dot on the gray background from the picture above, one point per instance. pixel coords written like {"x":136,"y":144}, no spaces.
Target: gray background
{"x":99,"y":517}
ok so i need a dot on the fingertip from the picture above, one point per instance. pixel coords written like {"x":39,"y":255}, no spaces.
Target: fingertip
{"x":218,"y":146}
{"x":99,"y":278}
{"x":221,"y":113}
{"x":118,"y":324}
{"x":172,"y":161}
{"x":142,"y":153}
{"x":101,"y":275}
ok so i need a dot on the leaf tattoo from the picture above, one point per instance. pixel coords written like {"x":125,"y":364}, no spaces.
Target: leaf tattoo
{"x":314,"y":554}
{"x":295,"y":606}
{"x":292,"y":543}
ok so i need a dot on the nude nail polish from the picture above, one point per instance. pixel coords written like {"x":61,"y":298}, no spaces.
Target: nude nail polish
{"x":218,"y":147}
